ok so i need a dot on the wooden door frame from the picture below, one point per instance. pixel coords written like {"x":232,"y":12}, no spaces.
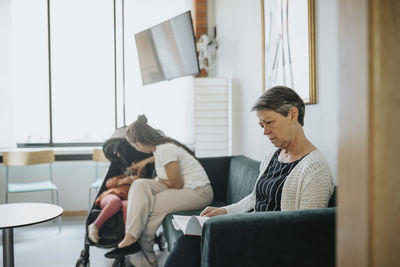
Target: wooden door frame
{"x":369,"y":112}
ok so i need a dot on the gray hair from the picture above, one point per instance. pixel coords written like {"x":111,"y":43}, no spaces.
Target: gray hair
{"x":281,"y":99}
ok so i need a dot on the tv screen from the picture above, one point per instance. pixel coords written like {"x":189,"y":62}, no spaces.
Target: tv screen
{"x":168,"y":50}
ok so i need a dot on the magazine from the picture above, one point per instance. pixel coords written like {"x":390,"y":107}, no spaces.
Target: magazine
{"x":189,"y":225}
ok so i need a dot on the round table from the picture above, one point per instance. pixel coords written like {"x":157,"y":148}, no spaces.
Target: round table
{"x":22,"y":214}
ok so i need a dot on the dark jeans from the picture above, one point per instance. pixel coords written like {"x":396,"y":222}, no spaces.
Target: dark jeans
{"x":186,"y":252}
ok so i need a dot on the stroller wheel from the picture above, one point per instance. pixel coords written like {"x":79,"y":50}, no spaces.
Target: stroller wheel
{"x":81,"y":263}
{"x":119,"y":262}
{"x":159,"y":240}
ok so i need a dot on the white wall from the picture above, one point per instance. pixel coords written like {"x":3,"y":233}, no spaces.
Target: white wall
{"x":239,"y":57}
{"x":322,"y":119}
{"x":167,"y":104}
{"x":6,"y":122}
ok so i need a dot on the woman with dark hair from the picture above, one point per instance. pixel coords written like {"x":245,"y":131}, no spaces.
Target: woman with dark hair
{"x":181,"y":184}
{"x":293,"y":176}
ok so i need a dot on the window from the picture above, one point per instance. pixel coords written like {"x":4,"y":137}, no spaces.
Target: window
{"x":30,"y":71}
{"x":71,"y":90}
{"x":82,"y":70}
{"x":82,"y":90}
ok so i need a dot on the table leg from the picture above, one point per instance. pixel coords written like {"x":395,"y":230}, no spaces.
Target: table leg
{"x":8,"y":247}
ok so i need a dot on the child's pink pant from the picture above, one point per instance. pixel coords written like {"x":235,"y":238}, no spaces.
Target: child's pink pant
{"x":110,"y":205}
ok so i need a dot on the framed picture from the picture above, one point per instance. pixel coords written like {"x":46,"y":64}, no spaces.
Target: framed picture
{"x":288,"y":46}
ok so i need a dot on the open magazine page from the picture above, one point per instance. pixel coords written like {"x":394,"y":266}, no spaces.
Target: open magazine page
{"x":189,"y":225}
{"x":180,"y":222}
{"x":201,"y":219}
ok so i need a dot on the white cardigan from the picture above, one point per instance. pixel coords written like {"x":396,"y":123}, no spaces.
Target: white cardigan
{"x":308,"y":186}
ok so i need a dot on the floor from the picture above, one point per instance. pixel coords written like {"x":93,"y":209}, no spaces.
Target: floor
{"x":42,"y":246}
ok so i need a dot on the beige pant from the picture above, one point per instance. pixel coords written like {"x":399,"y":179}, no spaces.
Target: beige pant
{"x":148,"y":203}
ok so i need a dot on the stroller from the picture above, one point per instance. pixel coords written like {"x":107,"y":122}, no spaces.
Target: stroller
{"x":121,"y":155}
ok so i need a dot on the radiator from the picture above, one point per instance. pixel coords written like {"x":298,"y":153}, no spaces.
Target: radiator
{"x":213,"y":117}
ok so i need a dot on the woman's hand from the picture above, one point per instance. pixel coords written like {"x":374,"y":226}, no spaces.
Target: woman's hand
{"x":128,"y":180}
{"x":213,"y":211}
{"x":139,"y":166}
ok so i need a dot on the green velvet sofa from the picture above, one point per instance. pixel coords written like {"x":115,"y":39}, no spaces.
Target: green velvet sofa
{"x":282,"y":238}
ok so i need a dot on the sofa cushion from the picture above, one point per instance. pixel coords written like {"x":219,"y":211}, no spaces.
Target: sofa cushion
{"x":243,"y":173}
{"x":217,"y":169}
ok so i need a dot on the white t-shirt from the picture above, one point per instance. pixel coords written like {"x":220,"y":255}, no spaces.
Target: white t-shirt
{"x":193,"y":173}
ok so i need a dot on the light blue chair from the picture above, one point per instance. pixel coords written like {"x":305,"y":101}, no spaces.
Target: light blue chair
{"x":16,"y":159}
{"x":98,"y":157}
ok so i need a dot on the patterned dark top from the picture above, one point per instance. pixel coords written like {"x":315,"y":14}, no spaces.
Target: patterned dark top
{"x":269,"y":186}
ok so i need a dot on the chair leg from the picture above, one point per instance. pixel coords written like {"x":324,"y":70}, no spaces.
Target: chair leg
{"x":7,"y":173}
{"x":58,"y":203}
{"x":52,"y":197}
{"x":59,"y":224}
{"x":90,"y":198}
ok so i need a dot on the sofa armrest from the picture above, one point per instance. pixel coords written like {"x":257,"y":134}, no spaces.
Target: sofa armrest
{"x":284,"y":238}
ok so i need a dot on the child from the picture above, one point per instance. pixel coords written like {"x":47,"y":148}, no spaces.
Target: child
{"x":111,"y":201}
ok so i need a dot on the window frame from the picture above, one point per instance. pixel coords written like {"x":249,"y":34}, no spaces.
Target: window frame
{"x":49,"y":47}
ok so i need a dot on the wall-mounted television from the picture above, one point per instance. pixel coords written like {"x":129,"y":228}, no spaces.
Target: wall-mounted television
{"x":168,"y":50}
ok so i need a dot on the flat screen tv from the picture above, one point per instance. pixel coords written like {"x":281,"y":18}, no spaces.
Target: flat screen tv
{"x":168,"y":50}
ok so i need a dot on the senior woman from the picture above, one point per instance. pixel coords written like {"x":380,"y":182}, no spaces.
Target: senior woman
{"x":293,"y":176}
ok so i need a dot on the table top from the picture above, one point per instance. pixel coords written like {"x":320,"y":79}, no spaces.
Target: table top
{"x":23,"y":214}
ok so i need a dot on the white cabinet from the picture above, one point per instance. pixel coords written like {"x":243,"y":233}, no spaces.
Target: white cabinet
{"x":213,"y":117}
